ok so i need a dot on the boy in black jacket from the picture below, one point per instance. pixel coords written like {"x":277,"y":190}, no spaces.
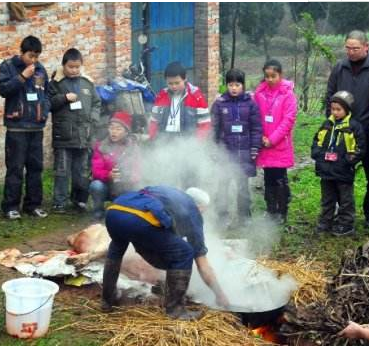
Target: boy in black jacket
{"x":337,"y":147}
{"x":75,"y":107}
{"x":23,"y":84}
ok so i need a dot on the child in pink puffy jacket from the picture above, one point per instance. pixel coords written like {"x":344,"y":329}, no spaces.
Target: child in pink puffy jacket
{"x":115,"y":163}
{"x":278,"y":107}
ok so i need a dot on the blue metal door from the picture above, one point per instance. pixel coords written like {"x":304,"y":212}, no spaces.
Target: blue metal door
{"x":170,"y":27}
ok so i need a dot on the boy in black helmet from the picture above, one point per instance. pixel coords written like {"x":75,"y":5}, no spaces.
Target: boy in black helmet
{"x":337,"y":147}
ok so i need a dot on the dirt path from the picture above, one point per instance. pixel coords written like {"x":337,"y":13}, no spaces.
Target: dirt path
{"x":54,"y":241}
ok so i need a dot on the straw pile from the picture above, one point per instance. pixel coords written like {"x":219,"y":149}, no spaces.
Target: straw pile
{"x":309,"y":274}
{"x":148,"y":326}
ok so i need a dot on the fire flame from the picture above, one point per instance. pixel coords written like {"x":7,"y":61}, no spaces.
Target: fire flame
{"x":267,"y":333}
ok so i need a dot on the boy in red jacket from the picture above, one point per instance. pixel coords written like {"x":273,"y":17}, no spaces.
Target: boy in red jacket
{"x":180,"y":109}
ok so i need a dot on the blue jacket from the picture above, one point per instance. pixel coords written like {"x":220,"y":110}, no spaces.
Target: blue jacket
{"x":20,"y":113}
{"x":237,"y":126}
{"x":174,"y":209}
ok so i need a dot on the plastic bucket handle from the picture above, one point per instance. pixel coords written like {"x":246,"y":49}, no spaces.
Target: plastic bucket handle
{"x":34,"y":310}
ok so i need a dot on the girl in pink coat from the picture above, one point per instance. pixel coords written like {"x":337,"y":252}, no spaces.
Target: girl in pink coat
{"x":278,"y":107}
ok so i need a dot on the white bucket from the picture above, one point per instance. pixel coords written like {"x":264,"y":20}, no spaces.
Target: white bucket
{"x":29,"y":302}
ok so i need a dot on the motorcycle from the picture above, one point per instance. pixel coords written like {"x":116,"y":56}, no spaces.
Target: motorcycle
{"x":133,"y":94}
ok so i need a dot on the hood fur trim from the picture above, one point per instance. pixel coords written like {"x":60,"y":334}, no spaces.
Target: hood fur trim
{"x":58,"y":75}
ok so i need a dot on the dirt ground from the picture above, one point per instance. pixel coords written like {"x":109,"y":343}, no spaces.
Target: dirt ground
{"x":67,"y":294}
{"x":54,"y":241}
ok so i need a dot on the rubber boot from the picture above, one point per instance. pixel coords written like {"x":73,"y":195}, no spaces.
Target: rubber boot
{"x":110,"y":294}
{"x":158,"y":288}
{"x":176,"y":285}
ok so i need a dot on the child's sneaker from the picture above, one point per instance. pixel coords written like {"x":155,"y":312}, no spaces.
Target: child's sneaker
{"x":59,"y":209}
{"x":38,"y":213}
{"x":80,"y":206}
{"x":13,"y":215}
{"x":341,"y":230}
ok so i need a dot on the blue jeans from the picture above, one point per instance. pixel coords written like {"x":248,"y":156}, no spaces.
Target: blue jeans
{"x":160,"y":247}
{"x":99,"y":192}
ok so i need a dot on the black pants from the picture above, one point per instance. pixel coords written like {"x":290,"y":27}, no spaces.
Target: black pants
{"x":333,"y":192}
{"x":243,"y":197}
{"x":275,"y":176}
{"x":23,"y":150}
{"x":71,"y":163}
{"x":277,"y":191}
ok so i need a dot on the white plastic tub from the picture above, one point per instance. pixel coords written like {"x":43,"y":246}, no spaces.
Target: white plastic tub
{"x":29,"y":303}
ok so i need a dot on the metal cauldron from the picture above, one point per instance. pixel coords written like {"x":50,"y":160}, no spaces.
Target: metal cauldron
{"x":255,"y":319}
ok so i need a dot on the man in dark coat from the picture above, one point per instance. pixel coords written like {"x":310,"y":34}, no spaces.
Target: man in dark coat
{"x":352,"y":74}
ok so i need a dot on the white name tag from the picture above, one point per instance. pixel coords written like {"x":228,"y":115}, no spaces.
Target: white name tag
{"x":32,"y":97}
{"x":75,"y":105}
{"x":269,"y":118}
{"x":237,"y":128}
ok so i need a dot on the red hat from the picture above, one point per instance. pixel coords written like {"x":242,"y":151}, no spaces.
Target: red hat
{"x":123,"y":118}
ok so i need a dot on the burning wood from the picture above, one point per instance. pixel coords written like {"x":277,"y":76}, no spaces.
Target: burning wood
{"x":346,"y":300}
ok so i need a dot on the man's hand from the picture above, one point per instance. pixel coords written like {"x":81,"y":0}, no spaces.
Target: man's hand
{"x":28,"y":71}
{"x":222,"y":300}
{"x":71,"y":97}
{"x":352,"y":331}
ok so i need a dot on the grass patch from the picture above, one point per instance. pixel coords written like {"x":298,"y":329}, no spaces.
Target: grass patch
{"x":297,"y":239}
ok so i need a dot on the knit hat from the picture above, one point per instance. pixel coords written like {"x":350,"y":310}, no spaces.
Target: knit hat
{"x":122,"y":118}
{"x":345,"y":99}
{"x":200,"y":197}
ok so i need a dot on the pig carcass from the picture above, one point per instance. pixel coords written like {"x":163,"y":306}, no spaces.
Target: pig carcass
{"x":92,"y":244}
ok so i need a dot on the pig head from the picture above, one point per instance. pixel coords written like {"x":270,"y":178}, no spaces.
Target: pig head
{"x":92,"y":244}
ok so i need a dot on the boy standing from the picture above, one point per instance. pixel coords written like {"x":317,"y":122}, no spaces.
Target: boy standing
{"x":75,"y":107}
{"x":337,"y":147}
{"x":180,"y":109}
{"x":23,"y":84}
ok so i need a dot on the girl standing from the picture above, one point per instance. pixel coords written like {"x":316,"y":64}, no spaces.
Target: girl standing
{"x":237,"y":128}
{"x":278,"y":108}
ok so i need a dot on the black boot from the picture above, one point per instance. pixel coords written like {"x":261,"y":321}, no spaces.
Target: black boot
{"x":270,"y":197}
{"x":283,"y":197}
{"x":110,"y":294}
{"x":177,"y":282}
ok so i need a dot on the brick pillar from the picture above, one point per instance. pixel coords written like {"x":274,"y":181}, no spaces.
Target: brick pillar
{"x":118,"y":37}
{"x":207,"y":48}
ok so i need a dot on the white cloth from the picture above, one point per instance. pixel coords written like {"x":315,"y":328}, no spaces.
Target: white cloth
{"x":174,"y":118}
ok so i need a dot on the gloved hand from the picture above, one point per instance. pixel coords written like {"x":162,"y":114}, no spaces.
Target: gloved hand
{"x":254,"y":153}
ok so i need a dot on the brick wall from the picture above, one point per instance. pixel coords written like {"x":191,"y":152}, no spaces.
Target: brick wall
{"x":207,"y":48}
{"x":101,"y":31}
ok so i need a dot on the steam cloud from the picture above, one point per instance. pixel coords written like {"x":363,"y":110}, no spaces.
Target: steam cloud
{"x":187,"y":162}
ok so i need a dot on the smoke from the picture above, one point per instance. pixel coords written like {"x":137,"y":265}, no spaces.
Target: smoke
{"x":183,"y":163}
